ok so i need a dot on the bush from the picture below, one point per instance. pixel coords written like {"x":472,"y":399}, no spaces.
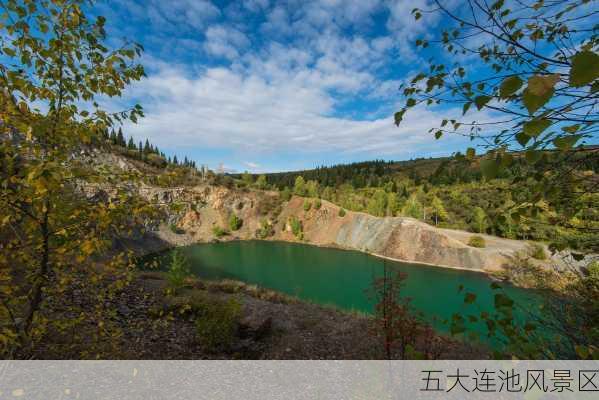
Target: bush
{"x":219,"y":232}
{"x":307,"y":205}
{"x":217,"y":323}
{"x":537,"y":251}
{"x":235,"y":222}
{"x":178,"y":271}
{"x":175,"y":229}
{"x":296,"y":227}
{"x":593,"y":270}
{"x":341,"y":212}
{"x":477,"y":241}
{"x":317,"y":204}
{"x":266,"y":230}
{"x":156,"y":161}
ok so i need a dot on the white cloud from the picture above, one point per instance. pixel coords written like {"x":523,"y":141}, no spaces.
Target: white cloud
{"x":225,"y":41}
{"x":248,"y":115}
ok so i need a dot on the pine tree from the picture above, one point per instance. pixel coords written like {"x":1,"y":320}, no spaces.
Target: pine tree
{"x":113,"y":137}
{"x":175,"y":161}
{"x":131,"y":144}
{"x":147,"y":147}
{"x":120,"y":139}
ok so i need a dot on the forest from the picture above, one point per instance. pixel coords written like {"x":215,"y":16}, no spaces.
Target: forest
{"x":453,"y":193}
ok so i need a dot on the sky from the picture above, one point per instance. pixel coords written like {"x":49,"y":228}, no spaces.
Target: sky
{"x":265,"y":86}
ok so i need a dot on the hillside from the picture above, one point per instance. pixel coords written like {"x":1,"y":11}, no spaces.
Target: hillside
{"x":451,"y":193}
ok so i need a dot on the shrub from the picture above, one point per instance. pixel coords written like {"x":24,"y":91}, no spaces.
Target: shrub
{"x":537,"y":251}
{"x":477,"y":241}
{"x":156,"y":160}
{"x":317,"y":204}
{"x":219,"y":232}
{"x":593,"y":270}
{"x":341,"y":212}
{"x":175,"y":229}
{"x":296,"y":227}
{"x":235,"y":222}
{"x":178,"y":271}
{"x":266,"y":230}
{"x":217,"y":323}
{"x":307,"y":205}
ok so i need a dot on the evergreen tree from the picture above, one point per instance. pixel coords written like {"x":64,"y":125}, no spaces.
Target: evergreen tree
{"x":120,"y":139}
{"x":113,"y":137}
{"x":131,"y":144}
{"x":175,"y":161}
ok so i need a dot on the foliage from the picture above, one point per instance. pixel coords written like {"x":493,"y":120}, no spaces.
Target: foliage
{"x":317,"y":204}
{"x":261,"y":182}
{"x":537,"y":251}
{"x":55,"y":220}
{"x":235,"y":222}
{"x":266,"y":230}
{"x":217,"y":323}
{"x":413,"y":208}
{"x":342,"y":212}
{"x":525,"y":79}
{"x":175,"y":229}
{"x":569,"y":323}
{"x":479,"y":219}
{"x":219,"y":232}
{"x":477,"y":241}
{"x":178,"y":271}
{"x":393,"y":319}
{"x":307,"y":205}
{"x":299,"y":188}
{"x":286,"y":194}
{"x":296,"y":227}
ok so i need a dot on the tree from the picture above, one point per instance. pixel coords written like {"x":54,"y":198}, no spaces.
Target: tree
{"x":247,"y":178}
{"x":534,"y":86}
{"x":479,"y":217}
{"x":178,"y":271}
{"x":299,"y":188}
{"x":120,"y":138}
{"x":393,"y":320}
{"x":438,"y":209}
{"x":413,"y":207}
{"x":235,"y":222}
{"x":261,"y":182}
{"x":312,"y":188}
{"x":55,"y":55}
{"x":377,"y":205}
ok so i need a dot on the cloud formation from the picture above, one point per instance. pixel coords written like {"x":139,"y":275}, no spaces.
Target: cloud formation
{"x":260,"y":78}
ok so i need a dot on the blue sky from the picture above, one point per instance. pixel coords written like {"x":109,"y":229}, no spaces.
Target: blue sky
{"x":261,"y":85}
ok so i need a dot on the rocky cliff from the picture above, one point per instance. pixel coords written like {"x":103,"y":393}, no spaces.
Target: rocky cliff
{"x":195,"y":212}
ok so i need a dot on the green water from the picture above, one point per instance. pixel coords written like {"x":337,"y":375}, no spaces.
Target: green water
{"x":340,"y":277}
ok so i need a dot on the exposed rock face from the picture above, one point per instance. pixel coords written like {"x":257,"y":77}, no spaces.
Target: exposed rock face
{"x":405,"y":239}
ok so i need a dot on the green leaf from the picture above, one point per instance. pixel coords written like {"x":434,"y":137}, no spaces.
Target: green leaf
{"x":539,"y":85}
{"x":470,"y":153}
{"x":466,"y":108}
{"x":469,"y":298}
{"x":438,"y":134}
{"x":571,"y":128}
{"x":522,"y":138}
{"x":410,"y":103}
{"x":585,"y":68}
{"x":533,"y":102}
{"x":399,"y":116}
{"x":489,"y":168}
{"x":509,"y":86}
{"x":481,"y":101}
{"x":532,"y":156}
{"x":535,"y":127}
{"x":566,"y":142}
